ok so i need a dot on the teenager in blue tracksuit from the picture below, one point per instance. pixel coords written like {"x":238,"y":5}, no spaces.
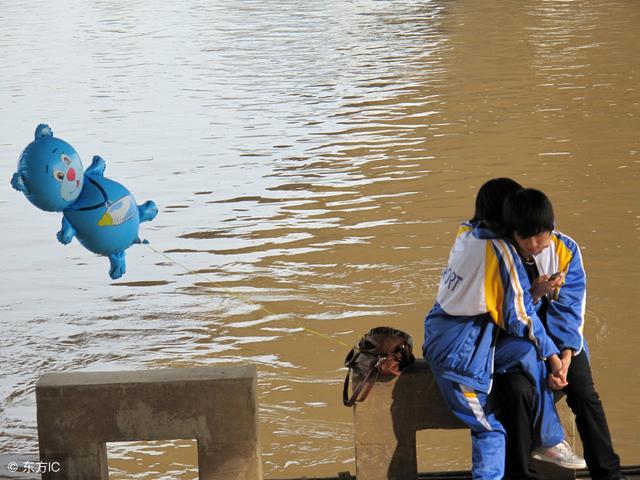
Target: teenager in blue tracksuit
{"x":528,"y":216}
{"x":484,"y":290}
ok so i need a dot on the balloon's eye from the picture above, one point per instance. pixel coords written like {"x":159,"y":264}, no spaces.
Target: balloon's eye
{"x":59,"y":175}
{"x":65,"y":159}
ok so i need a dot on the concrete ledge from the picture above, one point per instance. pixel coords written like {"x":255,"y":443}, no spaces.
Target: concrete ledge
{"x":79,"y":412}
{"x":386,"y":423}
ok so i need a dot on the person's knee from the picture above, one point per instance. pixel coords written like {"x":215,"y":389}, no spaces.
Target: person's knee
{"x":517,"y":389}
{"x":582,"y":395}
{"x":523,"y":389}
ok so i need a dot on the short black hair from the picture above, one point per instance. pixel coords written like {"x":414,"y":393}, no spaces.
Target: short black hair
{"x":528,"y":212}
{"x":490,"y":199}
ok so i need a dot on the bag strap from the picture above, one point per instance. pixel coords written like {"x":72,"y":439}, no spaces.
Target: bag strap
{"x":366,"y":384}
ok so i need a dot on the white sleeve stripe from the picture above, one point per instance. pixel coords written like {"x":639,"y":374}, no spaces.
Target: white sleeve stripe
{"x":518,"y":300}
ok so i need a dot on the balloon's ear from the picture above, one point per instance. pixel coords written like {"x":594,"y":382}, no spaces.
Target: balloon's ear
{"x":18,"y":183}
{"x":43,"y":130}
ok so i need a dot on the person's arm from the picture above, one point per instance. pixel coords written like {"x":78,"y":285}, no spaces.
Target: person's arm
{"x":565,"y":313}
{"x":566,"y":357}
{"x":517,"y":312}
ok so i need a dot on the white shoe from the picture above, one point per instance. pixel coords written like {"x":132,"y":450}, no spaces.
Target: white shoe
{"x":560,"y":454}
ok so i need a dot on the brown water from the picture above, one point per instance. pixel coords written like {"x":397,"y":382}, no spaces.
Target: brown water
{"x":311,"y":161}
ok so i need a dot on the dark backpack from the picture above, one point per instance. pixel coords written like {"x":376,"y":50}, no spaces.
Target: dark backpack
{"x":384,"y":351}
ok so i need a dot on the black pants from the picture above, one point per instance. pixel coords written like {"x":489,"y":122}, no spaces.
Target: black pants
{"x":513,"y":397}
{"x":514,"y":391}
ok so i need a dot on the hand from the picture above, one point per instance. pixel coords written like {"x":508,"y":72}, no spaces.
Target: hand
{"x":542,"y":285}
{"x":555,"y":383}
{"x":566,"y":357}
{"x":555,"y":364}
{"x":558,"y":378}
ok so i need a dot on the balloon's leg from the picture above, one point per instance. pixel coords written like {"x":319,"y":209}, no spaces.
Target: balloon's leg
{"x":118,"y":266}
{"x":148,"y":211}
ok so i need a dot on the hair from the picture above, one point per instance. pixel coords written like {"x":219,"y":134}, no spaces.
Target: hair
{"x":490,"y":199}
{"x":528,"y":212}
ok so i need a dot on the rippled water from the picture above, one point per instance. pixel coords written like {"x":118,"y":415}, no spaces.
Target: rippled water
{"x":311,"y":161}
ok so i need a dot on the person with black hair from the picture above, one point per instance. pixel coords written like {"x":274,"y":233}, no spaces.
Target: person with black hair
{"x":546,"y":253}
{"x":489,"y":201}
{"x":484,"y":290}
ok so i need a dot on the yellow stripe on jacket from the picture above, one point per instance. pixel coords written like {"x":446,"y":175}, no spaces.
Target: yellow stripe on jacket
{"x":564,"y":256}
{"x":493,"y":289}
{"x":462,"y":229}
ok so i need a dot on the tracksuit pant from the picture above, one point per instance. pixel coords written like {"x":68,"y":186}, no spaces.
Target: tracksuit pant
{"x":488,"y":437}
{"x":515,"y":394}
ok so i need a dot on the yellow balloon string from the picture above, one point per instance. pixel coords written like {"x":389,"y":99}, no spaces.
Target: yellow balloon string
{"x":240,"y":296}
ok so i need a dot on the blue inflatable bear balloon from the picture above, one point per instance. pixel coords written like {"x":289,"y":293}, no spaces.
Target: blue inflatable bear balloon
{"x":101,"y":213}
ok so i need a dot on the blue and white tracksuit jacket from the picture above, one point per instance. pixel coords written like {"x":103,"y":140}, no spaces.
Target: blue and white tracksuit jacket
{"x":565,"y":311}
{"x":483,"y":289}
{"x":564,"y":319}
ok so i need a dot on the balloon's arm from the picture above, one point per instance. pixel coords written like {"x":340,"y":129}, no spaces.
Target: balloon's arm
{"x":96,"y":169}
{"x":148,"y":211}
{"x":67,"y":232}
{"x":17,"y":182}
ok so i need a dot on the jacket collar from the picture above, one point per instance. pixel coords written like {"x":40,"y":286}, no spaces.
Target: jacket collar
{"x":480,"y":230}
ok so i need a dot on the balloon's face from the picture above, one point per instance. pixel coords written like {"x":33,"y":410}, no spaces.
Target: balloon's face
{"x":67,"y":175}
{"x":52,"y":173}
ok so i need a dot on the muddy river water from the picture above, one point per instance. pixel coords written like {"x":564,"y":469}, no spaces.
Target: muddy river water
{"x":311,"y":162}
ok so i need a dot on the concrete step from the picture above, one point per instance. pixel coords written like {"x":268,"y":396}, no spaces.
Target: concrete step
{"x":632,"y":472}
